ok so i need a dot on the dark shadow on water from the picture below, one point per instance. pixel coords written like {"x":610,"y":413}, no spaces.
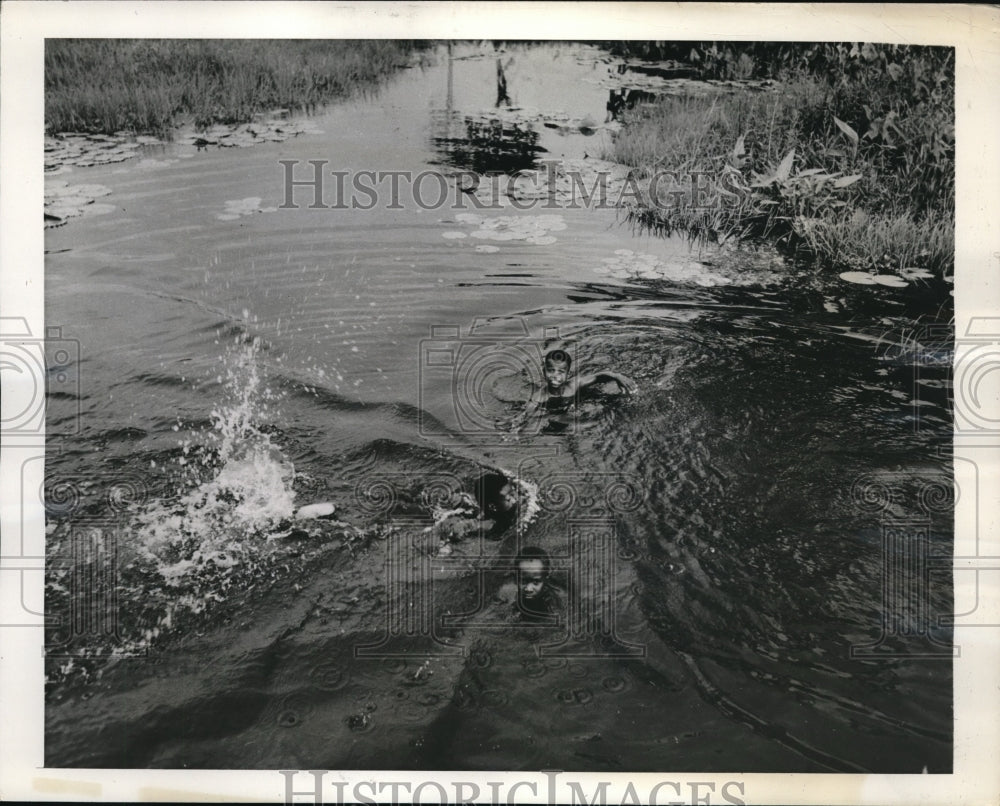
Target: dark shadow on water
{"x":484,"y":146}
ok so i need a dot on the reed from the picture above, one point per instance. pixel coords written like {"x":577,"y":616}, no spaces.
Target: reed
{"x":848,"y":159}
{"x":149,"y":86}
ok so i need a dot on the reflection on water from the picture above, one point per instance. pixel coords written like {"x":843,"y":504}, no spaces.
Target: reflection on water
{"x":485,"y":146}
{"x":746,"y":501}
{"x":624,"y":99}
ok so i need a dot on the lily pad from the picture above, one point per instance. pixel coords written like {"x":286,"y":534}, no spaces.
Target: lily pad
{"x":236,"y":208}
{"x":890,"y":280}
{"x":913,"y":273}
{"x":859,"y":277}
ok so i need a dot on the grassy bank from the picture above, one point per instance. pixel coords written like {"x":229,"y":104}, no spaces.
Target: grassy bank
{"x":102,"y":86}
{"x":849,"y":159}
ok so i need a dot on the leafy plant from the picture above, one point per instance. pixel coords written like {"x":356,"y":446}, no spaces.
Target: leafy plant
{"x":871,"y":125}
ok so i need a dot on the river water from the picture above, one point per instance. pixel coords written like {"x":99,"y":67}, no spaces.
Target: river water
{"x":742,"y":548}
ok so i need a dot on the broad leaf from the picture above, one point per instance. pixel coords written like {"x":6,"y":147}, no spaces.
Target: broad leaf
{"x":785,"y":168}
{"x":845,"y":181}
{"x":846,"y":129}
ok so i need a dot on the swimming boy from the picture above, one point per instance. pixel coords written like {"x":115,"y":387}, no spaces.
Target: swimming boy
{"x":559,"y":382}
{"x":560,"y":390}
{"x":490,"y":509}
{"x":533,"y":592}
{"x":533,"y":570}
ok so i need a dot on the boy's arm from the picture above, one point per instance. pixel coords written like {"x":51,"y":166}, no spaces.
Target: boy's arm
{"x":625,"y":384}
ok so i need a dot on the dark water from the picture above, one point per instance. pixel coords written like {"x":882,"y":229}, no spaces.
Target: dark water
{"x":738,"y":549}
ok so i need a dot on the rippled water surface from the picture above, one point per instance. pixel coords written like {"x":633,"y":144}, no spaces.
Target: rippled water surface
{"x":720,"y":540}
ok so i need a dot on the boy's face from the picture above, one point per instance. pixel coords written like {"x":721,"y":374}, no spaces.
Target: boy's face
{"x":531,"y":578}
{"x":556,"y":374}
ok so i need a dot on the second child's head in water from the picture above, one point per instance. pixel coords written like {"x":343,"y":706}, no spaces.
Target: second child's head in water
{"x":498,"y":499}
{"x":556,"y":368}
{"x":533,"y":569}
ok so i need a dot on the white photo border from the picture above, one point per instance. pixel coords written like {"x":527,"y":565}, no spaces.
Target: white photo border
{"x":974,"y":32}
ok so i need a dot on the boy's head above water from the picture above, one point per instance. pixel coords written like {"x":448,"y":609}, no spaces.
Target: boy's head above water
{"x":555,"y":368}
{"x":533,"y":568}
{"x":497,"y":494}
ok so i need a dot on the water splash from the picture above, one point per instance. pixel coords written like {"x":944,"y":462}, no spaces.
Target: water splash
{"x":247,"y":486}
{"x":182,"y":555}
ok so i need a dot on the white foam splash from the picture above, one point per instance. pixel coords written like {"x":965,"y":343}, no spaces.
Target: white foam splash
{"x":250,"y":494}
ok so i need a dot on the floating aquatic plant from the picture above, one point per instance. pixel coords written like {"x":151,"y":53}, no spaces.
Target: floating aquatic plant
{"x":527,"y":229}
{"x":64,"y":201}
{"x":237,"y":208}
{"x":637,"y":266}
{"x":867,"y":278}
{"x":72,"y":150}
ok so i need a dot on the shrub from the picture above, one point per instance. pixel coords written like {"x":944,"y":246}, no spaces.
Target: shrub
{"x":847,"y":129}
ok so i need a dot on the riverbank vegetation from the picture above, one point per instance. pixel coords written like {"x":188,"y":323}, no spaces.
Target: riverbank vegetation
{"x":150,"y":86}
{"x":848,"y":158}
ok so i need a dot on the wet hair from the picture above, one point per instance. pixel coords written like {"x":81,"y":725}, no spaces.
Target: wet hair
{"x":531,"y":553}
{"x":487,"y":495}
{"x":558,"y":357}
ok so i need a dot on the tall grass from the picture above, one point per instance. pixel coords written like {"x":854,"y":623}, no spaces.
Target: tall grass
{"x":149,"y":86}
{"x":853,"y":165}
